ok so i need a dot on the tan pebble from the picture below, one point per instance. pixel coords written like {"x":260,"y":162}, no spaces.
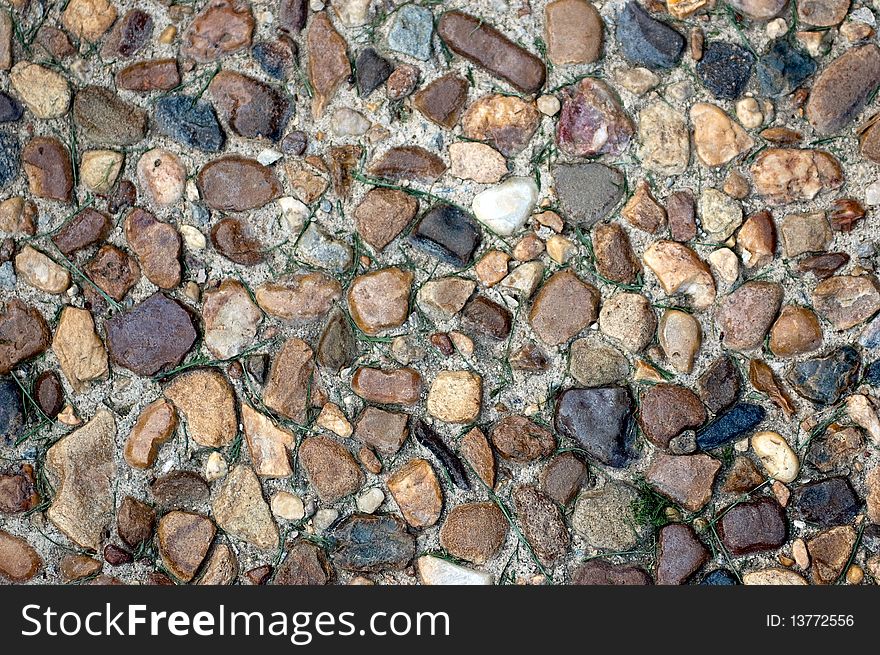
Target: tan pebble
{"x":168,"y":34}
{"x":331,"y":418}
{"x":560,"y":249}
{"x":548,"y":105}
{"x":455,"y":396}
{"x":492,"y":267}
{"x":68,"y":416}
{"x":550,"y":219}
{"x":287,"y":506}
{"x":781,"y":492}
{"x":855,"y":574}
{"x":800,"y":554}
{"x":216,"y":467}
{"x":462,"y":342}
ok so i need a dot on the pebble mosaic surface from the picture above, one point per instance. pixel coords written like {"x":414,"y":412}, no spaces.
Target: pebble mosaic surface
{"x":493,"y":292}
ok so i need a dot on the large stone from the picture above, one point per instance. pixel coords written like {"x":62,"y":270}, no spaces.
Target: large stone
{"x":686,"y":480}
{"x":718,"y":139}
{"x":666,"y":410}
{"x":542,"y":523}
{"x":300,"y":297}
{"x":206,"y":401}
{"x":371,"y":543}
{"x":104,"y":119}
{"x":251,"y":108}
{"x":592,"y":121}
{"x":573,"y":32}
{"x":828,"y":502}
{"x":824,"y":380}
{"x":846,"y":300}
{"x":680,"y":270}
{"x":841,"y":90}
{"x":680,"y":554}
{"x":42,"y":90}
{"x":417,"y":492}
{"x":447,"y":233}
{"x":383,"y":214}
{"x":306,"y":564}
{"x":48,"y":169}
{"x":474,"y":531}
{"x":664,"y":142}
{"x":292,"y":385}
{"x":231,"y":319}
{"x":507,"y":123}
{"x":41,"y":272}
{"x":587,"y":192}
{"x":605,"y":517}
{"x":328,"y":61}
{"x":241,"y":511}
{"x":784,"y":175}
{"x":79,"y":349}
{"x":221,"y":28}
{"x":753,"y":526}
{"x":330,"y":468}
{"x":733,"y":424}
{"x":563,"y":307}
{"x":23,"y":334}
{"x":599,"y":420}
{"x":234,"y":183}
{"x":379,"y":300}
{"x":82,"y":468}
{"x":745,"y":316}
{"x":184,"y":539}
{"x":157,"y":246}
{"x":520,"y":440}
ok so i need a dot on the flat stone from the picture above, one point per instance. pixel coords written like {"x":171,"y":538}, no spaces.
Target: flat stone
{"x":783,"y":68}
{"x":773,"y":576}
{"x":331,"y":469}
{"x":134,"y":521}
{"x":411,"y":30}
{"x":470,"y":160}
{"x":731,"y":425}
{"x":507,"y":123}
{"x":455,"y":396}
{"x":42,"y":90}
{"x":277,"y":58}
{"x":725,"y":69}
{"x":241,"y":511}
{"x":563,"y":307}
{"x":267,"y":443}
{"x":680,"y":270}
{"x":587,"y":192}
{"x":520,"y":440}
{"x":478,"y":41}
{"x":438,"y":571}
{"x":720,"y":215}
{"x":444,"y":297}
{"x":400,"y":386}
{"x":842,"y":88}
{"x":237,"y":184}
{"x":317,"y":248}
{"x":605,"y":517}
{"x":784,"y":175}
{"x":146,"y":76}
{"x":370,"y":543}
{"x":82,"y":467}
{"x":598,"y":419}
{"x":86,"y":228}
{"x":189,"y":121}
{"x":292,"y":384}
{"x":593,"y":364}
{"x":79,"y":349}
{"x":129,"y":35}
{"x":417,"y":492}
{"x":379,"y":300}
{"x":301,"y":297}
{"x":802,"y":233}
{"x":681,"y":216}
{"x":680,"y":554}
{"x":18,"y":492}
{"x":47,"y":166}
{"x":337,"y":347}
{"x":382,"y":430}
{"x":718,"y":139}
{"x":206,"y":401}
{"x":666,"y":410}
{"x":475,"y":448}
{"x":824,"y":380}
{"x":599,"y":572}
{"x":563,"y":477}
{"x":48,"y":393}
{"x":646,"y":41}
{"x":305,"y":564}
{"x":328,"y":64}
{"x":664,"y":140}
{"x":614,"y":257}
{"x":372,"y":71}
{"x":573,"y":32}
{"x":686,"y":479}
{"x":221,"y":28}
{"x":104,"y":119}
{"x":442,"y":100}
{"x":251,"y":108}
{"x":542,"y":523}
{"x":592,"y":121}
{"x":231,"y":319}
{"x":823,"y":266}
{"x":162,"y":175}
{"x":836,"y":451}
{"x":474,"y":531}
{"x":41,"y":272}
{"x":157,"y":246}
{"x":114,"y":271}
{"x":827,"y":502}
{"x":184,"y":539}
{"x":383,"y":214}
{"x":846,"y":300}
{"x":753,"y":526}
{"x":19,"y":562}
{"x":643,"y":211}
{"x":74,"y":568}
{"x":448,"y":233}
{"x":408,"y":163}
{"x":180,"y":489}
{"x":745,"y":316}
{"x":155,"y":425}
{"x":23,"y":334}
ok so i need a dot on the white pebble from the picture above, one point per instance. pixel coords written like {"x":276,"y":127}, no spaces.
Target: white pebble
{"x":288,"y":506}
{"x":505,"y":208}
{"x":193,"y":238}
{"x":549,"y":105}
{"x":776,"y":28}
{"x":324,"y":518}
{"x":269,"y":156}
{"x":370,"y":500}
{"x":779,"y":460}
{"x":216,"y":467}
{"x":438,"y":571}
{"x":872,"y":193}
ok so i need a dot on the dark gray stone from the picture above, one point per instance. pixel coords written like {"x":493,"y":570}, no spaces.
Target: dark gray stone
{"x":587,"y":192}
{"x":10,"y":158}
{"x":646,"y":41}
{"x":725,"y":69}
{"x":784,"y":68}
{"x":370,"y":543}
{"x":192,"y":123}
{"x":824,"y":380}
{"x":11,"y":411}
{"x":600,"y":420}
{"x":739,"y":421}
{"x":448,"y":233}
{"x":10,"y":108}
{"x":827,"y":502}
{"x":372,"y":70}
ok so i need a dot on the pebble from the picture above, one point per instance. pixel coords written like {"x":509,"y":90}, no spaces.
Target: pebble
{"x":442,"y":100}
{"x":680,"y":554}
{"x":599,"y":572}
{"x":205,"y":399}
{"x":725,"y":69}
{"x":474,"y":531}
{"x":783,"y":68}
{"x":840,"y":91}
{"x":184,"y":539}
{"x":455,"y":396}
{"x":382,"y":430}
{"x":680,"y":337}
{"x":614,"y":256}
{"x":587,"y":192}
{"x":23,"y":334}
{"x":330,"y":468}
{"x":79,"y":349}
{"x":786,"y":175}
{"x":114,"y":271}
{"x":41,"y":272}
{"x":134,"y":522}
{"x":681,"y":216}
{"x":448,"y":233}
{"x":408,"y":163}
{"x":444,"y":297}
{"x":563,"y":307}
{"x":417,"y":492}
{"x":379,"y":300}
{"x":18,"y":491}
{"x":824,"y":380}
{"x":348,"y":122}
{"x":836,"y":450}
{"x":154,"y":426}
{"x":686,"y":480}
{"x":718,"y":139}
{"x":156,"y":333}
{"x":83,"y":464}
{"x":548,"y":105}
{"x":846,"y":300}
{"x":402,"y":82}
{"x":604,"y":517}
{"x":646,"y":41}
{"x":628,"y":319}
{"x":803,"y":233}
{"x":49,"y":393}
{"x":779,"y":460}
{"x":732,"y":425}
{"x":479,"y":42}
{"x":765,"y":577}
{"x":507,"y":123}
{"x":592,"y":122}
{"x":10,"y":109}
{"x":47,"y":166}
{"x":542,"y":524}
{"x":42,"y":90}
{"x":861,"y":410}
{"x":129,"y":35}
{"x":746,"y":315}
{"x":756,"y":240}
{"x":289,"y":388}
{"x":563,"y":477}
{"x":146,"y":76}
{"x":795,"y":332}
{"x":643,"y":211}
{"x":666,"y":410}
{"x":720,"y":215}
{"x":411,"y":30}
{"x":827,"y":502}
{"x":10,"y":159}
{"x":520,"y":440}
{"x":317,"y":248}
{"x":470,"y":160}
{"x":221,"y":28}
{"x":369,"y":543}
{"x":598,"y":419}
{"x":372,"y":71}
{"x":639,"y":81}
{"x":19,"y":562}
{"x":287,"y":506}
{"x":573,"y":32}
{"x":830,"y":552}
{"x":680,"y":270}
{"x":99,"y":170}
{"x":505,"y":208}
{"x":237,"y":184}
{"x":594,"y":364}
{"x":337,"y":347}
{"x":439,"y":571}
{"x":157,"y":246}
{"x":301,"y":297}
{"x":664,"y":141}
{"x":231,"y":319}
{"x":400,"y":386}
{"x":267,"y":443}
{"x":758,"y":9}
{"x":328,"y":63}
{"x":240,"y":510}
{"x":748,"y":111}
{"x":189,"y":121}
{"x":104,"y":119}
{"x":753,"y":526}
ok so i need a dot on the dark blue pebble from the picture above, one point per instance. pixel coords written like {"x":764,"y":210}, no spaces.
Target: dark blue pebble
{"x":193,"y":124}
{"x":720,"y":578}
{"x":730,"y":426}
{"x":725,"y":69}
{"x":275,"y":58}
{"x":824,"y":380}
{"x":10,"y":108}
{"x":10,"y":158}
{"x":646,"y":41}
{"x":448,"y":233}
{"x":783,"y":68}
{"x":11,"y":411}
{"x":872,"y":374}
